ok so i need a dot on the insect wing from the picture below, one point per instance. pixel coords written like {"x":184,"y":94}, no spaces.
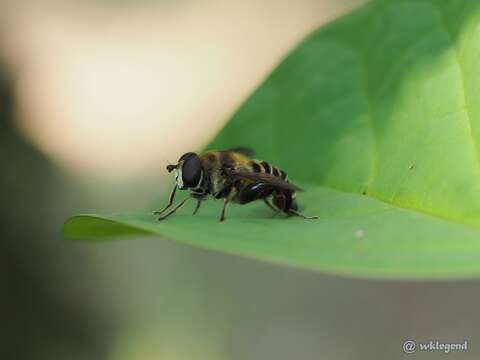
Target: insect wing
{"x":264,"y":178}
{"x":243,"y":150}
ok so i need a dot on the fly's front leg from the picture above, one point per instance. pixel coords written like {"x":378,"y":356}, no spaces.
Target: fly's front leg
{"x":179,"y":205}
{"x":170,"y":202}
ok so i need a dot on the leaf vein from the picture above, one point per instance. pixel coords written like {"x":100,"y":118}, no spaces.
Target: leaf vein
{"x":458,"y":59}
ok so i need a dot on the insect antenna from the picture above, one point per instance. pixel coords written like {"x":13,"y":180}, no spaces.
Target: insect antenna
{"x":170,"y":166}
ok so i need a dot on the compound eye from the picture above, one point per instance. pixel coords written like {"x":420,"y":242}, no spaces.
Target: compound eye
{"x":191,"y":171}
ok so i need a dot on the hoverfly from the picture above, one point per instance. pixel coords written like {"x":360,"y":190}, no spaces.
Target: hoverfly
{"x":232,"y":175}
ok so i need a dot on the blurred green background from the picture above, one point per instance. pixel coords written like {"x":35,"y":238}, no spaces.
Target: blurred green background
{"x":95,"y":98}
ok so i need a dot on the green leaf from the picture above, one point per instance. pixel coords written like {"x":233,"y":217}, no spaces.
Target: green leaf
{"x":377,"y":115}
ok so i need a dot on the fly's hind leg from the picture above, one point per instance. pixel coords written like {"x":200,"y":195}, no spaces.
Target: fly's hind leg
{"x":296,"y":213}
{"x":257,"y":191}
{"x":286,"y":201}
{"x":270,"y":205}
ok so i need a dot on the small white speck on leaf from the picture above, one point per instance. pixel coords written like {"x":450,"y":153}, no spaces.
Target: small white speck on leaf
{"x":359,"y":234}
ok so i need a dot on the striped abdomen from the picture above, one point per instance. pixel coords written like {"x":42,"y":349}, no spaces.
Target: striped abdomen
{"x":267,"y":168}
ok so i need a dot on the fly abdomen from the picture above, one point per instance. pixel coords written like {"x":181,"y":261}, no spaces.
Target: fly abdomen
{"x":256,"y":167}
{"x":265,"y":167}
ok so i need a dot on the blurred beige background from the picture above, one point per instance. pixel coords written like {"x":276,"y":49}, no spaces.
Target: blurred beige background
{"x":120,"y":88}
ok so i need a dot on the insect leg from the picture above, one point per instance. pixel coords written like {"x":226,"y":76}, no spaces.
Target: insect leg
{"x":254,"y":191}
{"x":296,"y":213}
{"x":270,"y":205}
{"x":170,"y":201}
{"x":225,"y":204}
{"x":199,"y":202}
{"x":179,"y":205}
{"x":226,"y":201}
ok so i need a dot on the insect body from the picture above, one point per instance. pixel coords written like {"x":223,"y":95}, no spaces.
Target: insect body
{"x":232,"y":175}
